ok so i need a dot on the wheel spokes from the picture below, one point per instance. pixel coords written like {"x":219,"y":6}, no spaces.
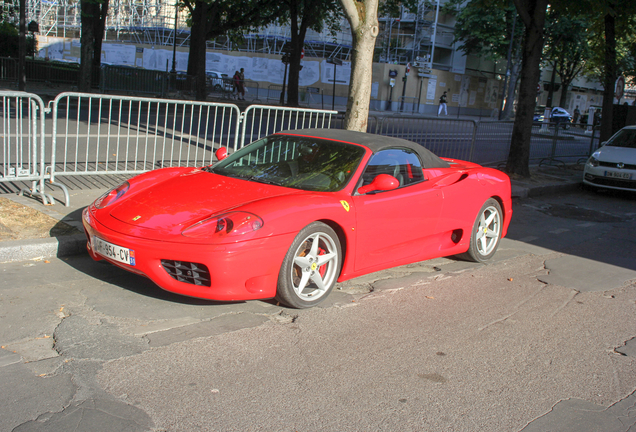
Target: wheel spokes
{"x":488,"y":231}
{"x":309,"y":262}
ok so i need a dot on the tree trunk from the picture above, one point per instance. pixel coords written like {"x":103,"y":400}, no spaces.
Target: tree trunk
{"x":198,"y":36}
{"x":609,"y":78}
{"x":532,"y":12}
{"x":22,"y":48}
{"x":99,"y":37}
{"x":363,"y":18}
{"x":90,"y":11}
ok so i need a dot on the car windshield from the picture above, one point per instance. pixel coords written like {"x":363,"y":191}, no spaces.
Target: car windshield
{"x":305,"y":163}
{"x":624,"y":138}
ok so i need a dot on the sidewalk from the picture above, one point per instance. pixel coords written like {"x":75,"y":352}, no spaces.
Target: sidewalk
{"x":545,"y":180}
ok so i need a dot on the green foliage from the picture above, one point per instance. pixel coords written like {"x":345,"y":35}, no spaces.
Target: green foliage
{"x":484,"y":27}
{"x":567,"y":47}
{"x":234,"y":17}
{"x":10,"y":41}
{"x":625,"y":43}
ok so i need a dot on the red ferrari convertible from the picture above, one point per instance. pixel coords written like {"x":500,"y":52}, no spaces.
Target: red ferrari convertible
{"x":293,"y":213}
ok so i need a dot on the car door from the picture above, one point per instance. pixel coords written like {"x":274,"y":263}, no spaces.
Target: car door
{"x":396,"y":224}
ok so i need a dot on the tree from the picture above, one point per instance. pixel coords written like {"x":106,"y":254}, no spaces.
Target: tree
{"x":488,"y":29}
{"x":567,"y":47}
{"x":304,"y":15}
{"x":93,"y":17}
{"x":532,"y":14}
{"x":212,"y":18}
{"x":612,"y":43}
{"x":363,"y":19}
{"x":9,"y":43}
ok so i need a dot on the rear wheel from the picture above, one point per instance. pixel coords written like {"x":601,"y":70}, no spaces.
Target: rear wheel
{"x":310,"y":268}
{"x":486,"y":233}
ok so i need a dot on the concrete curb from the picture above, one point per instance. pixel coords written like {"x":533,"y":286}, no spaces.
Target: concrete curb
{"x":26,"y":250}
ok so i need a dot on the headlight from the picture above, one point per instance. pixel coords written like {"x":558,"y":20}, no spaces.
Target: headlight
{"x":227,"y":224}
{"x":112,"y":195}
{"x":592,"y":161}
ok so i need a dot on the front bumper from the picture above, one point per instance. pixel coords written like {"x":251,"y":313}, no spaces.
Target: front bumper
{"x":238,"y":271}
{"x":597,"y":177}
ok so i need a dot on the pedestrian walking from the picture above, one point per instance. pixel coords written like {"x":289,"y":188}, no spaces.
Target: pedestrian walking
{"x":577,"y":114}
{"x":442,"y":105}
{"x":236,"y":81}
{"x":242,"y":84}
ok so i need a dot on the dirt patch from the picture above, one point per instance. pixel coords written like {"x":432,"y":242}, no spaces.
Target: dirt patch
{"x":20,"y":222}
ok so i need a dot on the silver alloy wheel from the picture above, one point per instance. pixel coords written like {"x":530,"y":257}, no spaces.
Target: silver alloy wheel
{"x":488,"y":231}
{"x":315,"y":266}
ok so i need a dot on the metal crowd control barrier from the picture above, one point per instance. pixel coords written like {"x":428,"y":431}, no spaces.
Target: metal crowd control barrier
{"x":99,"y":135}
{"x":22,"y":130}
{"x":373,"y":123}
{"x":262,"y":120}
{"x":434,"y":133}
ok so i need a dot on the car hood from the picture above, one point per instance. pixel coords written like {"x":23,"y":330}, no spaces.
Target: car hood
{"x":610,"y":153}
{"x":189,"y":198}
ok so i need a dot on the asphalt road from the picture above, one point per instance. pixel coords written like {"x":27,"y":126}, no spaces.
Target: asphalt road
{"x":541,"y":339}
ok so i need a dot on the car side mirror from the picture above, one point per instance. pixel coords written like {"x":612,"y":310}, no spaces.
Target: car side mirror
{"x":221,"y":153}
{"x":602,"y":144}
{"x":382,"y":182}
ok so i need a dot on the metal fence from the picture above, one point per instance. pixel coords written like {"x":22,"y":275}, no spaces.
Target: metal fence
{"x":451,"y":138}
{"x":22,"y":130}
{"x":40,"y":71}
{"x":262,"y":120}
{"x":8,"y":69}
{"x":98,"y":134}
{"x":95,"y":134}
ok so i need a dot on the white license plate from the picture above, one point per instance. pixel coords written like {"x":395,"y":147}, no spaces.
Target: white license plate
{"x":114,"y":252}
{"x":619,"y":175}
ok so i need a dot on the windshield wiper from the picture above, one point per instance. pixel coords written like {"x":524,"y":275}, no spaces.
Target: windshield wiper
{"x":263,"y":180}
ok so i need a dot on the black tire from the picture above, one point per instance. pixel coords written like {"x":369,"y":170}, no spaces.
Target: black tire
{"x":489,"y":220}
{"x":306,"y":279}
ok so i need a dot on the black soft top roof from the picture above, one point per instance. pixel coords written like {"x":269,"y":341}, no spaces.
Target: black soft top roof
{"x":373,"y":142}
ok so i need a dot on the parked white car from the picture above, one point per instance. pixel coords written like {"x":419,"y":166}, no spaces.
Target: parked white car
{"x":613,"y":165}
{"x":217,"y":80}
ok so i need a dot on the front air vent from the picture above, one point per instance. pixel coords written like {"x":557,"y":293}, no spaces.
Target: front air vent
{"x":188,"y":272}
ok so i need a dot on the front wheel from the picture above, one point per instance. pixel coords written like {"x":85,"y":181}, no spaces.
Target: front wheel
{"x":486,"y":233}
{"x":310,"y":268}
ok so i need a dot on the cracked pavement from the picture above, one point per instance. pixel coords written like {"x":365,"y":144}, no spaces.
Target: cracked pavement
{"x":543,"y":338}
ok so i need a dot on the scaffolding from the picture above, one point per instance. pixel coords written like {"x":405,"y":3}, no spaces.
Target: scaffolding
{"x":414,"y":37}
{"x":408,"y":38}
{"x":150,"y":22}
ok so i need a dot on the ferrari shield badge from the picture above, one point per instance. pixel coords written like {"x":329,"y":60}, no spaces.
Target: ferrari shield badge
{"x":345,"y":205}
